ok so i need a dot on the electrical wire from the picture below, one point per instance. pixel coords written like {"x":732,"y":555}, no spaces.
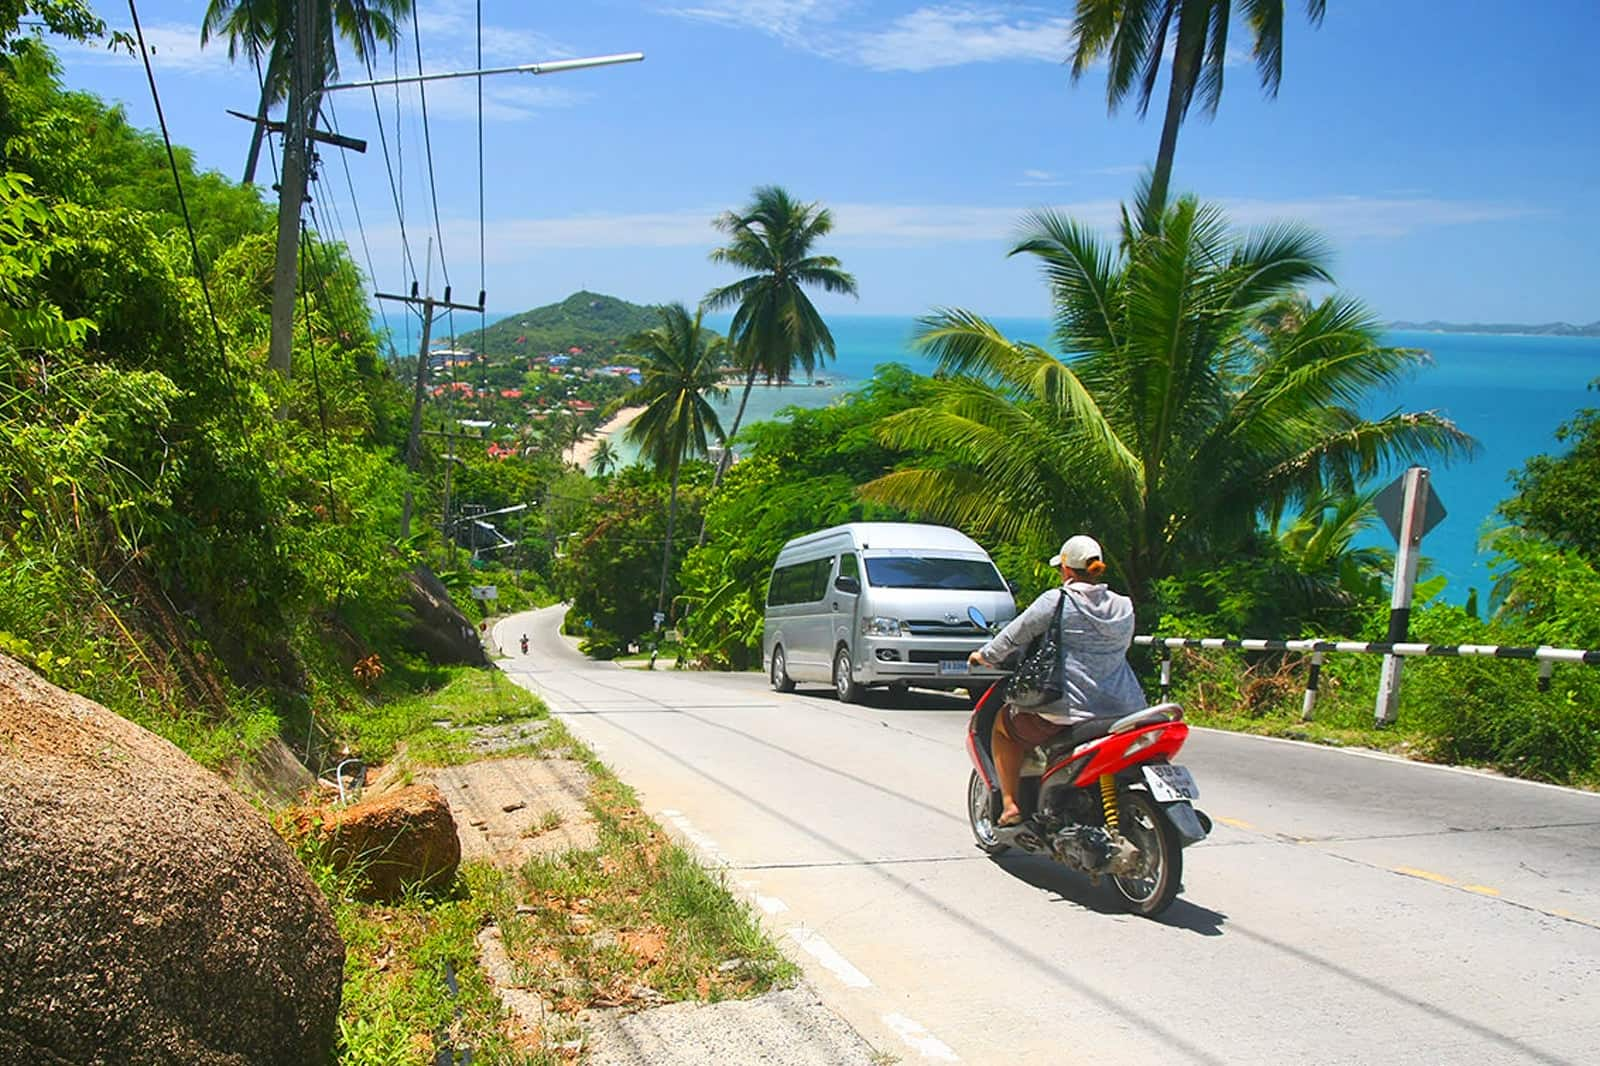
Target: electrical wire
{"x":427,"y":144}
{"x":188,"y":224}
{"x":483,"y":285}
{"x":316,"y":374}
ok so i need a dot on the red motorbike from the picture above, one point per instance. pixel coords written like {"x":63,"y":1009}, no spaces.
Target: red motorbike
{"x":1103,"y":797}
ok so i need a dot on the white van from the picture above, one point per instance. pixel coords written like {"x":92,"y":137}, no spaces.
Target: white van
{"x":881,"y":603}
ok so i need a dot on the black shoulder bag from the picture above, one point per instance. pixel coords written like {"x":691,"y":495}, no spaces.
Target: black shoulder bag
{"x":1038,"y":678}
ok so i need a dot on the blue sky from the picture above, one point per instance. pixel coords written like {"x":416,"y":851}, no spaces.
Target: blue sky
{"x":1447,"y":150}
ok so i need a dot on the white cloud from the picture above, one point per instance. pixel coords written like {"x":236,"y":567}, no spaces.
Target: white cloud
{"x":173,"y":47}
{"x":783,"y":19}
{"x":934,"y":37}
{"x":1118,"y":171}
{"x":1367,"y":217}
{"x":1040,"y":179}
{"x":928,"y":38}
{"x":876,"y":225}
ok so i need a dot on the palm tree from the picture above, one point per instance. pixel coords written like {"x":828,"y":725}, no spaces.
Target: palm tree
{"x":679,"y":374}
{"x":775,"y":327}
{"x":1133,"y":35}
{"x":606,"y":458}
{"x":252,"y":26}
{"x":301,"y":38}
{"x":1200,"y":394}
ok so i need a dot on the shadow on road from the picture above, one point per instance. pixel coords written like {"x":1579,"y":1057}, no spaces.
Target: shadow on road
{"x":882,"y":699}
{"x":1069,"y":886}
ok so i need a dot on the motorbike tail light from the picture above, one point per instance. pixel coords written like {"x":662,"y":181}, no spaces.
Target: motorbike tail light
{"x":1142,"y":742}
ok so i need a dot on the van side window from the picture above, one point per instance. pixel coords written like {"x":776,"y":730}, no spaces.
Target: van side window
{"x":848,"y":567}
{"x":821,"y":571}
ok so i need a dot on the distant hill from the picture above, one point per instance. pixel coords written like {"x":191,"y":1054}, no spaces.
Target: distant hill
{"x":1548,"y":329}
{"x":587,"y":320}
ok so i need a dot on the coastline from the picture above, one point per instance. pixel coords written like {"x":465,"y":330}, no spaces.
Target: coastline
{"x":583,"y":454}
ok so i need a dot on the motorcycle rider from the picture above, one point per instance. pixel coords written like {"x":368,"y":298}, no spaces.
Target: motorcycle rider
{"x":524,"y":643}
{"x":1096,"y":631}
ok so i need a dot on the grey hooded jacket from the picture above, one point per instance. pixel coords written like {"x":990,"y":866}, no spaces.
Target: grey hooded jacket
{"x":1096,"y":630}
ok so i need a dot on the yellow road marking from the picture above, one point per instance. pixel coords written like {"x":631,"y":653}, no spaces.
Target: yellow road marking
{"x":1482,"y":890}
{"x":1426,"y":875}
{"x":1569,"y":916}
{"x":1231,"y":822}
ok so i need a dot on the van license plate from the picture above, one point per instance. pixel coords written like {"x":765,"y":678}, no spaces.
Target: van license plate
{"x":949,"y":667}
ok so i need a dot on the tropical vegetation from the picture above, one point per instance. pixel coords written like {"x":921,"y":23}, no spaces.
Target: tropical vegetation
{"x":1197,"y":396}
{"x":775,"y":327}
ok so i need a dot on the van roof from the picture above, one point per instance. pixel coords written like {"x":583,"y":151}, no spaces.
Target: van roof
{"x":891,"y":535}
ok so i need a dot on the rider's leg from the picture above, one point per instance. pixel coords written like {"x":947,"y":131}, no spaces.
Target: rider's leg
{"x":1008,"y":756}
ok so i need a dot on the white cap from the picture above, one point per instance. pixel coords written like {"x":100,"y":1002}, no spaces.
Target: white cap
{"x":1078,"y":552}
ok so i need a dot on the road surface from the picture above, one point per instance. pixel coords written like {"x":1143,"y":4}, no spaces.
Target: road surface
{"x":1349,"y":908}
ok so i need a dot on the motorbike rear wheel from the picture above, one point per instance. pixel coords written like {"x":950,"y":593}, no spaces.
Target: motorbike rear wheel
{"x":1156,"y":885}
{"x":983,"y":807}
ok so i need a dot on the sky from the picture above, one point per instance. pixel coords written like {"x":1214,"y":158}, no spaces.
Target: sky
{"x":1447,"y":150}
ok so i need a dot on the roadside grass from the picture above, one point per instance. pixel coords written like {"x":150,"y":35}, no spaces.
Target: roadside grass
{"x":1487,"y":714}
{"x":467,"y":698}
{"x":633,"y":921}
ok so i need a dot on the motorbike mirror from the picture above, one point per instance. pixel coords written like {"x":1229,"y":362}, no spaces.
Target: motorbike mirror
{"x":977,"y":618}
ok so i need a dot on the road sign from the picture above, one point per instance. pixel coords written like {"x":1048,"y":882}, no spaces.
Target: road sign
{"x":485,"y":592}
{"x":1391,"y":504}
{"x":659,"y":617}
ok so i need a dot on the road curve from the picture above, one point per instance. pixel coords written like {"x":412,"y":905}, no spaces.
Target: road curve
{"x":1349,"y":908}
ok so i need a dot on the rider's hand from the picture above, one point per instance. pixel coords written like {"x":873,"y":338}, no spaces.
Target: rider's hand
{"x":977,"y":659}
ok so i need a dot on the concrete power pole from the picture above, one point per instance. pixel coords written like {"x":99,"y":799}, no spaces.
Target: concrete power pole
{"x":305,"y":75}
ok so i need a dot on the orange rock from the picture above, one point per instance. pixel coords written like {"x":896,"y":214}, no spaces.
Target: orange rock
{"x":399,"y":839}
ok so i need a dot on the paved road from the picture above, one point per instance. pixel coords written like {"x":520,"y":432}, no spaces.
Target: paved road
{"x":1348,"y":908}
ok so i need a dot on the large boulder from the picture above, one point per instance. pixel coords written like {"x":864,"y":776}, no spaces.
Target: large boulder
{"x":396,"y":840}
{"x":438,"y":629}
{"x":147,"y":913}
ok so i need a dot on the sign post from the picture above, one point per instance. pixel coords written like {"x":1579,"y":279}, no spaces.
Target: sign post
{"x":485,"y":592}
{"x":1410,"y":508}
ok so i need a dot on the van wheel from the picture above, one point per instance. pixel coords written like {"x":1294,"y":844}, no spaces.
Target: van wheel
{"x":781,"y":681}
{"x":843,"y":683}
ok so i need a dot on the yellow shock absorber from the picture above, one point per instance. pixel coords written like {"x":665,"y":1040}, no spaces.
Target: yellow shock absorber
{"x":1108,"y":800}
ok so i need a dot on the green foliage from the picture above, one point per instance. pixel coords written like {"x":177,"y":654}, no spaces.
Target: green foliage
{"x":586,"y":320}
{"x":1558,"y":497}
{"x":801,"y":475}
{"x":611,"y":561}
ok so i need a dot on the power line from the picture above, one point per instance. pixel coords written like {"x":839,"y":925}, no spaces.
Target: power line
{"x":188,"y":224}
{"x":427,"y":144}
{"x":388,"y":165}
{"x":316,"y":375}
{"x":483,"y":285}
{"x":361,"y":229}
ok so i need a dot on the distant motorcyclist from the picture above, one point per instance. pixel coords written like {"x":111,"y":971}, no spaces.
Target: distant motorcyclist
{"x":524,"y":643}
{"x":1096,"y":630}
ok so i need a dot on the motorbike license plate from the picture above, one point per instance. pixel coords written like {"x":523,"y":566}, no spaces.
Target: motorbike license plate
{"x":952,"y":666}
{"x":1168,"y":784}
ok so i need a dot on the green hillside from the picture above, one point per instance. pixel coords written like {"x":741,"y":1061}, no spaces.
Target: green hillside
{"x":588,"y":320}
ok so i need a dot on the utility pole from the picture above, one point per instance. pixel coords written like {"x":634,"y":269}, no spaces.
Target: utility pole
{"x":304,"y":78}
{"x":414,"y":438}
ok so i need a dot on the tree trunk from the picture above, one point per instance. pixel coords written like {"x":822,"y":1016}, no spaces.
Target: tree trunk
{"x":727,"y":449}
{"x":260,"y":132}
{"x":1186,"y":58}
{"x":666,"y":555}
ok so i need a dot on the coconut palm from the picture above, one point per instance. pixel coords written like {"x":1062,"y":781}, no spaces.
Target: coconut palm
{"x":252,"y":28}
{"x":679,"y":376}
{"x":775,"y":326}
{"x":1199,"y":395}
{"x":606,"y":459}
{"x":1133,"y":36}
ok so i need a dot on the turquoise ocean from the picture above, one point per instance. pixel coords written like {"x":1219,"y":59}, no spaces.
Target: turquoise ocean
{"x":1509,"y":392}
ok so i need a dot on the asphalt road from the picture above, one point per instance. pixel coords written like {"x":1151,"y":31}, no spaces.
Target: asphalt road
{"x":1349,"y":907}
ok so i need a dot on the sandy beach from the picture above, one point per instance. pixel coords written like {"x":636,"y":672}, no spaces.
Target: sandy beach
{"x":583,"y":454}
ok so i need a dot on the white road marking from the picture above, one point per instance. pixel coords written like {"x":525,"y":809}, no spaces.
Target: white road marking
{"x":705,"y":845}
{"x":832,"y":961}
{"x":771,"y":904}
{"x":925,"y":1043}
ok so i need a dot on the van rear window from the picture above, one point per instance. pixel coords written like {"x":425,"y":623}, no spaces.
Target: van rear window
{"x":933,"y":572}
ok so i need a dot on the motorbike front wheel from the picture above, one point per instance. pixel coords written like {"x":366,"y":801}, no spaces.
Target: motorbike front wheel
{"x":983,"y":807}
{"x":1153,"y":888}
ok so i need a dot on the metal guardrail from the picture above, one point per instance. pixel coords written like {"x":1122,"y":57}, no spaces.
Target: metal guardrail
{"x":1545,"y":655}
